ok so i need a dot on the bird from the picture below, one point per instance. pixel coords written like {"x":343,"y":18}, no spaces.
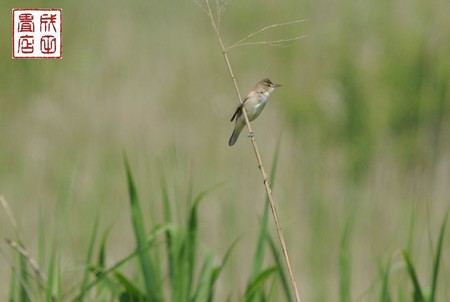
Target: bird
{"x":253,"y":103}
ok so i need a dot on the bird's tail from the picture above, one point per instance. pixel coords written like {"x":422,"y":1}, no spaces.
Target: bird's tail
{"x":234,"y":137}
{"x":237,"y":130}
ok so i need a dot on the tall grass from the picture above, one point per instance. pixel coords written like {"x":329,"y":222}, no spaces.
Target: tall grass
{"x":166,"y":271}
{"x":173,"y":266}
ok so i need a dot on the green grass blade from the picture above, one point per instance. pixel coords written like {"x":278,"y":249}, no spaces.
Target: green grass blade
{"x":12,"y":286}
{"x":204,"y":289}
{"x":385,"y":292}
{"x":24,"y":292}
{"x":131,"y":292}
{"x":437,"y":260}
{"x":257,"y":283}
{"x":51,"y":272}
{"x":258,"y":258}
{"x":108,"y":290}
{"x":282,"y":272}
{"x":20,"y":286}
{"x":150,"y":279}
{"x":188,"y":250}
{"x":41,"y":241}
{"x":418,"y":295}
{"x":188,"y":253}
{"x":89,"y":258}
{"x":263,"y":231}
{"x":101,"y":259}
{"x":203,"y":194}
{"x":172,"y":248}
{"x":411,"y":230}
{"x":57,"y":296}
{"x":170,"y":234}
{"x":275,"y":158}
{"x":217,"y":270}
{"x":104,"y":273}
{"x":344,"y":265}
{"x":165,"y":199}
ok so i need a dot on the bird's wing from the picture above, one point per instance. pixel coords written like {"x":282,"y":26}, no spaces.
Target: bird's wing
{"x":238,"y":110}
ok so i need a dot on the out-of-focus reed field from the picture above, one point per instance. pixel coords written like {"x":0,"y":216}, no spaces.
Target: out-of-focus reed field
{"x":363,"y":115}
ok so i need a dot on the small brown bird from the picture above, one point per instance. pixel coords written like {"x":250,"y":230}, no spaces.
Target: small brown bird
{"x":254,"y":103}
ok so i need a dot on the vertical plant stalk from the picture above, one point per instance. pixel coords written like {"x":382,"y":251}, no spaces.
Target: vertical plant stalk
{"x":258,"y":157}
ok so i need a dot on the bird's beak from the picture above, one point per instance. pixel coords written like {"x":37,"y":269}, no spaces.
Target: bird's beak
{"x":276,"y":85}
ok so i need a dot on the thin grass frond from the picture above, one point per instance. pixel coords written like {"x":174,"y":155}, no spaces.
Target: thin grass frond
{"x":11,"y":217}
{"x":203,"y":8}
{"x":278,"y":42}
{"x":30,"y":260}
{"x":275,"y":43}
{"x":19,"y":284}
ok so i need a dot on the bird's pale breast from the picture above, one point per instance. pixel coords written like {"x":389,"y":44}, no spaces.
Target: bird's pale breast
{"x":254,"y":106}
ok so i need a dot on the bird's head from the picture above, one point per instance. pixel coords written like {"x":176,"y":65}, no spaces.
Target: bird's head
{"x":265,"y":85}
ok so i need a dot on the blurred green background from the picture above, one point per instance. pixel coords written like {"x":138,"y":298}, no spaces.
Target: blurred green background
{"x":363,"y":114}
